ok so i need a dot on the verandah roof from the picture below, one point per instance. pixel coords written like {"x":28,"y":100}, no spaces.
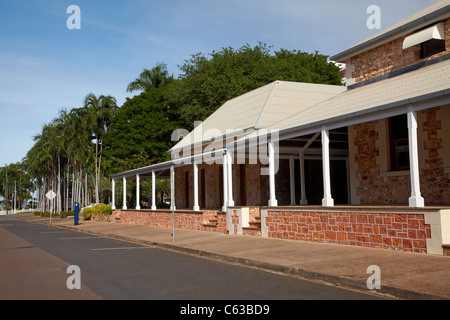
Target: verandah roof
{"x":259,"y":109}
{"x":420,"y":89}
{"x":423,"y":88}
{"x":162,"y":169}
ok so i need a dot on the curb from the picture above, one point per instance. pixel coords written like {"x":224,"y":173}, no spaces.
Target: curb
{"x":386,"y":290}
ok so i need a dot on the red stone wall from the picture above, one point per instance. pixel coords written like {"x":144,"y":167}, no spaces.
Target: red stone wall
{"x":246,"y":186}
{"x":389,"y":57}
{"x":435,"y":181}
{"x":406,"y":232}
{"x":203,"y":220}
{"x":212,"y":188}
{"x":374,"y":188}
{"x":446,"y":250}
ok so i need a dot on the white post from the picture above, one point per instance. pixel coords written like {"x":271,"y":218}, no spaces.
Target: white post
{"x":15,"y":198}
{"x":196,"y":206}
{"x":113,"y":206}
{"x":272,"y":201}
{"x":138,"y":196}
{"x":153,"y":191}
{"x":225,"y":185}
{"x":303,"y":200}
{"x":172,"y":188}
{"x":172,"y":199}
{"x":292,"y":180}
{"x":230,"y":178}
{"x":327,"y":200}
{"x":124,"y":206}
{"x":416,"y":200}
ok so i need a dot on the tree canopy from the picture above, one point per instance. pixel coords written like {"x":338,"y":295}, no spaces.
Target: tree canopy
{"x":141,"y":133}
{"x":76,"y":152}
{"x":206,"y":84}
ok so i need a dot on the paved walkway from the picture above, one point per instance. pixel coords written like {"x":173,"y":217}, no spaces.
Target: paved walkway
{"x":403,"y":275}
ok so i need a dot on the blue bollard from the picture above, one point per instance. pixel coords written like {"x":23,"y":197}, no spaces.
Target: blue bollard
{"x":77,"y":213}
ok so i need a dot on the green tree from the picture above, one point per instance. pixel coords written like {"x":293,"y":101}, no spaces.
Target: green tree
{"x":100,"y":112}
{"x":153,"y":78}
{"x":15,"y":185}
{"x":207,"y":83}
{"x":141,"y":132}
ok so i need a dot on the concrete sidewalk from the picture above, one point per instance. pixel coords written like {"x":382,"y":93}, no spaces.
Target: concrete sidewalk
{"x":403,"y":275}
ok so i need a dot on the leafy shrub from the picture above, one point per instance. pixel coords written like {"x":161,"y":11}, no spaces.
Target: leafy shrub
{"x":98,"y":209}
{"x":65,"y":214}
{"x":45,"y":214}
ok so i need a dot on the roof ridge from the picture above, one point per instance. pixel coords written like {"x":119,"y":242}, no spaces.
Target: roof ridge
{"x":266,"y":104}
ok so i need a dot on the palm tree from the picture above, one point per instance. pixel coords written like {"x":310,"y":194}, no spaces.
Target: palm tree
{"x":80,"y":150}
{"x":100,"y":112}
{"x":40,"y":159}
{"x":153,"y":78}
{"x":60,"y":141}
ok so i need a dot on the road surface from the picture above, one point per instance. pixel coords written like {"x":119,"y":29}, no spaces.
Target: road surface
{"x":35,"y":258}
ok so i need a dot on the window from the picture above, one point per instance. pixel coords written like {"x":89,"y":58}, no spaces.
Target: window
{"x":398,"y":142}
{"x":431,"y":47}
{"x":429,"y":41}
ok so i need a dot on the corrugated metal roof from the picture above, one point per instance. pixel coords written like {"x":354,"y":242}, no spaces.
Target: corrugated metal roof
{"x":416,"y":21}
{"x":261,"y":108}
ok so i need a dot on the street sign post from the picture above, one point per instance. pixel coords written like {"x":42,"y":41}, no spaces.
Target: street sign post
{"x":51,"y":195}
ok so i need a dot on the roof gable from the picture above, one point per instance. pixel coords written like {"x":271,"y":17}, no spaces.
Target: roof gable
{"x":259,"y":109}
{"x":423,"y":18}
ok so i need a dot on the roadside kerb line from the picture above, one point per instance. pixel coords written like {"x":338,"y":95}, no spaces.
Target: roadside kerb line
{"x":120,"y":248}
{"x":80,"y":238}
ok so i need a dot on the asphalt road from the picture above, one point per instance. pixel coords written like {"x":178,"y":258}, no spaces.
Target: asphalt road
{"x":34,"y":261}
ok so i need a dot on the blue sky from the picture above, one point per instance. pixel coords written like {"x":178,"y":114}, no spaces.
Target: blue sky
{"x":45,"y":67}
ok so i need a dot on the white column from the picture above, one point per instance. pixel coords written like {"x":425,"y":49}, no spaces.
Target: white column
{"x":172,"y":188}
{"x":272,"y":200}
{"x":225,"y":184}
{"x":292,"y":180}
{"x":230,"y":178}
{"x":327,"y":200}
{"x":113,"y":187}
{"x":303,"y":200}
{"x":124,"y":206}
{"x":196,"y":206}
{"x":138,"y":196}
{"x":172,"y":199}
{"x":153,"y":191}
{"x":416,"y":200}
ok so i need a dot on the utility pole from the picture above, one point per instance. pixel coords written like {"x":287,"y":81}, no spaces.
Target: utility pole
{"x":6,"y":192}
{"x":15,"y":195}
